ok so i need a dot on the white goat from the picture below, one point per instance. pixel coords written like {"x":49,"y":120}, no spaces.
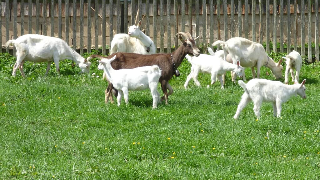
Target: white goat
{"x":250,"y":54}
{"x":259,"y":90}
{"x":214,"y":65}
{"x":38,"y":48}
{"x":293,"y":61}
{"x":132,"y":79}
{"x":133,"y":42}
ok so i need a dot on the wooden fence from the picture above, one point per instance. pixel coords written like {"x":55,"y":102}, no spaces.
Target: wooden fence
{"x":282,"y":25}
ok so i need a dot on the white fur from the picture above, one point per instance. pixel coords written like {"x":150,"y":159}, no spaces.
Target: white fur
{"x":132,"y":79}
{"x":214,"y":65}
{"x":250,"y":54}
{"x":38,"y":48}
{"x":293,"y":62}
{"x":133,"y":42}
{"x":260,"y":90}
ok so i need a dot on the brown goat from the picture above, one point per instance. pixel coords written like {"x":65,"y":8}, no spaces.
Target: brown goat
{"x":168,"y":63}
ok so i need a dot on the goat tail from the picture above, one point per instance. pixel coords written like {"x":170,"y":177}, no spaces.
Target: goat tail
{"x":243,"y":85}
{"x":8,"y":43}
{"x":210,"y":51}
{"x":219,"y":42}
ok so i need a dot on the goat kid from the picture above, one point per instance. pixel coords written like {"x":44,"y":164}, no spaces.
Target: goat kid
{"x":38,"y":48}
{"x":213,"y":65}
{"x":293,"y":62}
{"x":260,"y":90}
{"x":250,"y":54}
{"x":132,"y":79}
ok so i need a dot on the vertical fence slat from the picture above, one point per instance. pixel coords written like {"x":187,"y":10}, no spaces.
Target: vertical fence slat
{"x":21,"y":18}
{"x":232,"y":19}
{"x":218,"y":19}
{"x":60,"y":19}
{"x":239,"y":19}
{"x":44,"y":18}
{"x":316,"y":30}
{"x":275,"y":26}
{"x":168,"y":27}
{"x":1,"y":9}
{"x":197,"y":20}
{"x":140,"y":10}
{"x":302,"y":30}
{"x":37,"y":16}
{"x":161,"y":27}
{"x":81,"y":26}
{"x":104,"y":28}
{"x":309,"y":32}
{"x":96,"y":21}
{"x":183,"y":13}
{"x":30,"y":16}
{"x":15,"y":32}
{"x":281,"y":25}
{"x":267,"y":26}
{"x":225,"y":23}
{"x":133,"y":11}
{"x":7,"y":22}
{"x":52,"y":17}
{"x":89,"y":27}
{"x":125,"y":16}
{"x":176,"y":23}
{"x":190,"y":16}
{"x":260,"y":24}
{"x":211,"y":23}
{"x":204,"y":26}
{"x":245,"y":28}
{"x":147,"y":18}
{"x":119,"y":16}
{"x":110,"y":20}
{"x":253,"y":20}
{"x":74,"y":25}
{"x":288,"y":28}
{"x":295,"y":26}
{"x":67,"y":21}
{"x":155,"y":12}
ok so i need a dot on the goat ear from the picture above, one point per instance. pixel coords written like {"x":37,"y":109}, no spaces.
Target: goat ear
{"x":238,"y":63}
{"x":303,"y":82}
{"x":280,"y":61}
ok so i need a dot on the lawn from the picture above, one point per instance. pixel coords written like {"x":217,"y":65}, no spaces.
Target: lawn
{"x":58,"y":127}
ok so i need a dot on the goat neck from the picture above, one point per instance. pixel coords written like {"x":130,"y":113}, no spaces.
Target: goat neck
{"x":179,"y":54}
{"x":76,"y":57}
{"x":146,"y":40}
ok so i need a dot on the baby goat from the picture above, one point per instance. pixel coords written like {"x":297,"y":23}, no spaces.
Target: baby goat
{"x":214,"y":65}
{"x":259,"y":90}
{"x":132,"y":79}
{"x":293,"y":61}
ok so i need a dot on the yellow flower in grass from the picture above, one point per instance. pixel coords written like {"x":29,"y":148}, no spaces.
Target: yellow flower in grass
{"x":83,"y":142}
{"x":213,"y":148}
{"x":172,"y":157}
{"x":134,"y":143}
{"x":169,"y":138}
{"x":194,"y":146}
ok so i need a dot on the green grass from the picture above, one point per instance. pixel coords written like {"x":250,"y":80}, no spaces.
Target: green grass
{"x":58,"y":127}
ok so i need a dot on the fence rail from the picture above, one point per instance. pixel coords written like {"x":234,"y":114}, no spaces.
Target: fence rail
{"x":282,"y":25}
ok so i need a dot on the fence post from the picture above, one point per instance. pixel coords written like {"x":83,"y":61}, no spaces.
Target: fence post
{"x":74,"y":25}
{"x":66,"y":20}
{"x":316,"y":38}
{"x":110,"y":21}
{"x":59,"y":17}
{"x":104,"y":28}
{"x":155,"y":13}
{"x":30,"y":16}
{"x":211,"y":23}
{"x":21,"y":18}
{"x":288,"y":28}
{"x":302,"y":30}
{"x":295,"y":26}
{"x":267,"y":27}
{"x":161,"y":27}
{"x":89,"y":27}
{"x":7,"y":23}
{"x":183,"y":13}
{"x":275,"y":26}
{"x":246,"y":10}
{"x":281,"y":24}
{"x":168,"y":27}
{"x":309,"y":32}
{"x":204,"y":28}
{"x":240,"y":18}
{"x":253,"y":20}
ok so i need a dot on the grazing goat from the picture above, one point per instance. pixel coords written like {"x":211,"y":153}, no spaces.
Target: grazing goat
{"x":259,"y":90}
{"x":38,"y":48}
{"x":168,"y":63}
{"x":133,"y":42}
{"x":214,"y":65}
{"x":139,"y":78}
{"x":293,"y":61}
{"x":250,"y":54}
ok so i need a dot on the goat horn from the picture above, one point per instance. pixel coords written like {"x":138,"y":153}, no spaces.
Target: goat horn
{"x":135,"y":22}
{"x":182,"y":36}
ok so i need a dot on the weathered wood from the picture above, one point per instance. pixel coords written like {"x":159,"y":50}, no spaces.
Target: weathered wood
{"x":7,"y":23}
{"x":30,"y":16}
{"x":89,"y":23}
{"x":104,"y":28}
{"x":316,"y":30}
{"x":44,"y":18}
{"x":225,"y":23}
{"x":260,"y":24}
{"x":267,"y":26}
{"x":21,"y":19}
{"x":295,"y":26}
{"x":15,"y":12}
{"x":60,"y":19}
{"x":183,"y":13}
{"x":96,"y":25}
{"x":133,"y":11}
{"x":275,"y":26}
{"x":168,"y":27}
{"x":211,"y":8}
{"x":239,"y":19}
{"x":52,"y":17}
{"x":309,"y":32}
{"x":190,"y":15}
{"x":218,"y":19}
{"x":253,"y":21}
{"x":119,"y":16}
{"x":74,"y":25}
{"x":155,"y":13}
{"x":1,"y":9}
{"x":176,"y":22}
{"x":246,"y":10}
{"x":281,"y":25}
{"x":303,"y":47}
{"x":232,"y":19}
{"x":125,"y":16}
{"x":161,"y":27}
{"x":38,"y":16}
{"x":197,"y":20}
{"x":147,"y":18}
{"x":110,"y":22}
{"x":67,"y":14}
{"x":204,"y":26}
{"x":288,"y":28}
{"x":81,"y":26}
